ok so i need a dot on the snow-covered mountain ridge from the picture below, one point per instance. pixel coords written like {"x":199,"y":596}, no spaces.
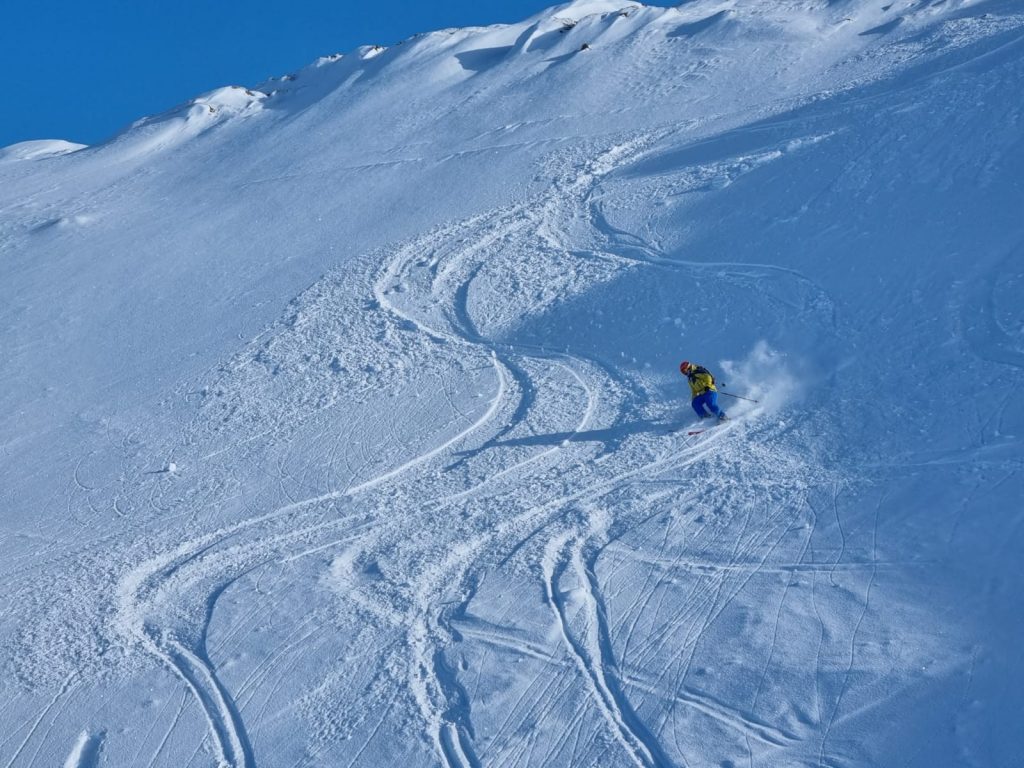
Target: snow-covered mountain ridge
{"x":341,"y":421}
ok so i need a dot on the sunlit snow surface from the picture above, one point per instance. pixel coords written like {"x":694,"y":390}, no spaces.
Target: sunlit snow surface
{"x":340,"y":420}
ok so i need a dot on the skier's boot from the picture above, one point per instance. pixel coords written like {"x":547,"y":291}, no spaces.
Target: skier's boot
{"x":723,"y":417}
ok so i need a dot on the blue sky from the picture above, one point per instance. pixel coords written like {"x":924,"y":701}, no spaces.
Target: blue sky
{"x":82,"y":71}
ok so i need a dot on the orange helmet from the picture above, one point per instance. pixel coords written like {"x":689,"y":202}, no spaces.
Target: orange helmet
{"x":684,"y":367}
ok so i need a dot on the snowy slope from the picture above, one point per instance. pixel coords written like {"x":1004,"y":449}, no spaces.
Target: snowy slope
{"x":341,"y":423}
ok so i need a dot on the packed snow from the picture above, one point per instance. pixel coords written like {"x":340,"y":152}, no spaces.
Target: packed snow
{"x":341,"y":421}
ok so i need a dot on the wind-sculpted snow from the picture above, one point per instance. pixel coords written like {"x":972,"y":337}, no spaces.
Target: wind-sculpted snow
{"x":342,"y":423}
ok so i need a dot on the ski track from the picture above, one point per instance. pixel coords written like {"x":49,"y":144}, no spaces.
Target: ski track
{"x":594,"y":654}
{"x":437,"y":691}
{"x":222,"y":557}
{"x":62,"y":693}
{"x":165,"y":605}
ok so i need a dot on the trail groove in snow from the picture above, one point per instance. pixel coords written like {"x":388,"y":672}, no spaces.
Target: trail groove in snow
{"x":592,"y":651}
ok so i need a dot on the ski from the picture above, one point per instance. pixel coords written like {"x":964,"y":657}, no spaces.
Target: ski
{"x":708,"y":429}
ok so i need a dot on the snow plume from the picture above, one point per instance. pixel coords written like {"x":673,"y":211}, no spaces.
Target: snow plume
{"x":765,"y":375}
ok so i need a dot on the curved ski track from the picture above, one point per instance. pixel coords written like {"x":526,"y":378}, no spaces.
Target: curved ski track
{"x":429,"y":284}
{"x":493,"y":498}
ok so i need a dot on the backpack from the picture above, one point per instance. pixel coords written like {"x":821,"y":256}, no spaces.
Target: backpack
{"x":696,"y":370}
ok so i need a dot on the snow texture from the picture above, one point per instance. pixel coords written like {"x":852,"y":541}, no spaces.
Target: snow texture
{"x":341,"y":422}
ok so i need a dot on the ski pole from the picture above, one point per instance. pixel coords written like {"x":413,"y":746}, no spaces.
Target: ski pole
{"x":738,"y":397}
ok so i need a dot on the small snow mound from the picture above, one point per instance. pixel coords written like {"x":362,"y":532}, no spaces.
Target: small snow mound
{"x":370,"y":51}
{"x":38,"y":150}
{"x":86,"y":752}
{"x":64,"y":222}
{"x":323,"y":61}
{"x":568,"y":29}
{"x":232,"y":99}
{"x":352,"y":567}
{"x":166,"y":130}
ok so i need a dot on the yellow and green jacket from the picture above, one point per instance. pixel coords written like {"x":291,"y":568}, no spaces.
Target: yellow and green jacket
{"x":700,"y":380}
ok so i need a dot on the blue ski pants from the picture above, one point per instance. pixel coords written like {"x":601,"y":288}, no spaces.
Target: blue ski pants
{"x":706,"y":404}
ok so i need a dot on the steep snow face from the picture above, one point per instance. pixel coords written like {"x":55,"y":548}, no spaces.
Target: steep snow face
{"x":341,"y":421}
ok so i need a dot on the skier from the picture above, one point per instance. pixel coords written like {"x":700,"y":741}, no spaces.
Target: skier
{"x":702,"y":387}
